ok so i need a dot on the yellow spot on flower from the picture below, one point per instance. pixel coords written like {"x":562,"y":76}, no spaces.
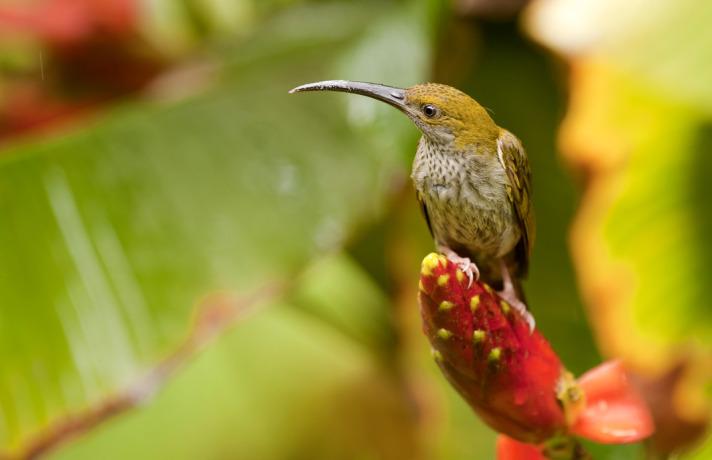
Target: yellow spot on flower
{"x":445,"y":305}
{"x":505,"y":307}
{"x":443,"y":279}
{"x":430,"y":263}
{"x":488,"y":288}
{"x":421,"y":288}
{"x":478,"y":336}
{"x":474,"y":302}
{"x":494,"y":355}
{"x":437,"y":356}
{"x":459,"y":275}
{"x":444,"y":334}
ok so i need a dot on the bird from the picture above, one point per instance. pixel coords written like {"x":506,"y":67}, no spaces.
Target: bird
{"x":472,"y":180}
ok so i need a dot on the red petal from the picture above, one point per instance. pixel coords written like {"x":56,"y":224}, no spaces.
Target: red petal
{"x":615,"y":413}
{"x":510,"y":449}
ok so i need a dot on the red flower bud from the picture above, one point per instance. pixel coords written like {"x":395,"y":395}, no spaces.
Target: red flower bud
{"x":485,"y":348}
{"x":510,"y":375}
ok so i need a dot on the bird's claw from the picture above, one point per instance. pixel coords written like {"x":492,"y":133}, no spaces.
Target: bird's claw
{"x":509,"y":294}
{"x":519,"y":306}
{"x":526,"y":315}
{"x":467,"y":267}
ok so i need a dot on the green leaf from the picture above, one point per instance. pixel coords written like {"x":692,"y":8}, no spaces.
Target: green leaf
{"x":281,"y":385}
{"x":641,"y":237}
{"x":640,"y":127}
{"x":662,"y":44}
{"x":113,"y":233}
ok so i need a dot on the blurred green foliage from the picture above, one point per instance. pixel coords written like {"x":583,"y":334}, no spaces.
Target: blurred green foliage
{"x":638,"y":127}
{"x":124,"y":225}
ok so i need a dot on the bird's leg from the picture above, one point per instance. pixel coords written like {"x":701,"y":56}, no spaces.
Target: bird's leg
{"x":467,"y":266}
{"x":509,"y":293}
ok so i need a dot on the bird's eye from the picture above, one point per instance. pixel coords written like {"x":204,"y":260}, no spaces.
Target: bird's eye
{"x":430,"y":110}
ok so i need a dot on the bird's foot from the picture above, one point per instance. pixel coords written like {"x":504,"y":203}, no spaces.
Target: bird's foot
{"x":521,"y":308}
{"x":509,"y":294}
{"x":467,"y":266}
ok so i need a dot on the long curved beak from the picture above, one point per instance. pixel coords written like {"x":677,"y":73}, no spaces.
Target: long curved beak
{"x":388,"y":94}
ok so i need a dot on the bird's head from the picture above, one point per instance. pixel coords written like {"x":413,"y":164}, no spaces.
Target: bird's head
{"x":443,"y":114}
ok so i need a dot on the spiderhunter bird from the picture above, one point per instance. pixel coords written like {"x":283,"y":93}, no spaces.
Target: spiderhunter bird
{"x":472,"y":181}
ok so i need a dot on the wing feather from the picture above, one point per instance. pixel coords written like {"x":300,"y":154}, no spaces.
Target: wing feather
{"x":424,"y":211}
{"x":515,"y":162}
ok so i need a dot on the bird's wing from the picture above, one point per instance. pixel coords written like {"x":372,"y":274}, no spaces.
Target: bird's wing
{"x":515,"y":162}
{"x":424,"y":210}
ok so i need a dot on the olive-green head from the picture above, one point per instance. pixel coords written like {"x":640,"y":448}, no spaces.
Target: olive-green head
{"x":443,"y":114}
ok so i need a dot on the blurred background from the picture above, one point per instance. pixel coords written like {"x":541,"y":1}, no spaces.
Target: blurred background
{"x":195,"y":264}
